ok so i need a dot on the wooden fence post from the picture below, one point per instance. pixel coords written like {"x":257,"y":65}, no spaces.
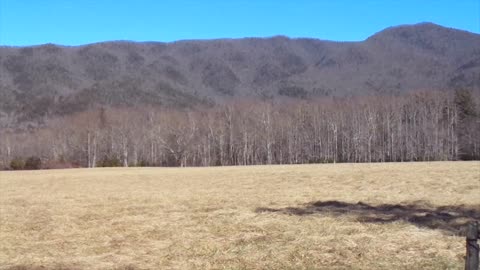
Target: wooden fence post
{"x":471,"y":261}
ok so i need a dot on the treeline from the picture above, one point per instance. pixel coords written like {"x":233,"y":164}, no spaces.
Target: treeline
{"x":423,"y":126}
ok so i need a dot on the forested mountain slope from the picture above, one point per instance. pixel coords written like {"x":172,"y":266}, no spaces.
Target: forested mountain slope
{"x":45,"y":81}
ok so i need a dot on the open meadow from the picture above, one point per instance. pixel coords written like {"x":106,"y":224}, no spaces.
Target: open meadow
{"x":332,"y":216}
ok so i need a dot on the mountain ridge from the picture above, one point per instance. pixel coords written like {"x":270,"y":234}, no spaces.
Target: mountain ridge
{"x":396,"y":27}
{"x":49,"y":80}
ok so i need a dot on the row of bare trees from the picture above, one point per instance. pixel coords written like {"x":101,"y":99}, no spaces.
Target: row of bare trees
{"x":423,"y":126}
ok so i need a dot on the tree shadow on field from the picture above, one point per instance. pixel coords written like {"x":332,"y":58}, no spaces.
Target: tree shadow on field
{"x":449,"y":219}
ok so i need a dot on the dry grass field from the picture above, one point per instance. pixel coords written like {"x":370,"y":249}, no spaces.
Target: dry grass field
{"x":336,"y":216}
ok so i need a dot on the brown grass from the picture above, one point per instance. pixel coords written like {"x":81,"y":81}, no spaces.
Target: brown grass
{"x":257,"y":217}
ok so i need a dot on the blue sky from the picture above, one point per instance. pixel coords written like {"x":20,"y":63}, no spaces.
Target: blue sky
{"x":74,"y":22}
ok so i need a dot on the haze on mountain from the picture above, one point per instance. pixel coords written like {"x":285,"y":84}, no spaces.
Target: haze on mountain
{"x":44,"y":81}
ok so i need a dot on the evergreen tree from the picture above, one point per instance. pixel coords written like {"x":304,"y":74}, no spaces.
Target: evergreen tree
{"x":466,"y":124}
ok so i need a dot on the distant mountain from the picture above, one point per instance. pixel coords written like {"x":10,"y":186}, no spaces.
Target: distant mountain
{"x":48,"y":80}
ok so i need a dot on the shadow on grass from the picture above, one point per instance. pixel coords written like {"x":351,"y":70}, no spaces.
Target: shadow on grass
{"x":449,"y":219}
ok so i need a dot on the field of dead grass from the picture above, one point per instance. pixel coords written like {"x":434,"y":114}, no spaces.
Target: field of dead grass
{"x":336,"y":216}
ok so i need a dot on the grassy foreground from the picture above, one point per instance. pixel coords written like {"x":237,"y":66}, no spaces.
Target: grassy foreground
{"x":337,"y":216}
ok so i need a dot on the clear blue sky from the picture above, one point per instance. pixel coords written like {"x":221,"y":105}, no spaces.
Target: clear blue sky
{"x":74,"y":22}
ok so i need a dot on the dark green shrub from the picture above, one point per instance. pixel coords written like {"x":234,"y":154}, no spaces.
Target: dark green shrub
{"x":17,"y":164}
{"x":33,"y":163}
{"x":143,"y":163}
{"x":110,"y":162}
